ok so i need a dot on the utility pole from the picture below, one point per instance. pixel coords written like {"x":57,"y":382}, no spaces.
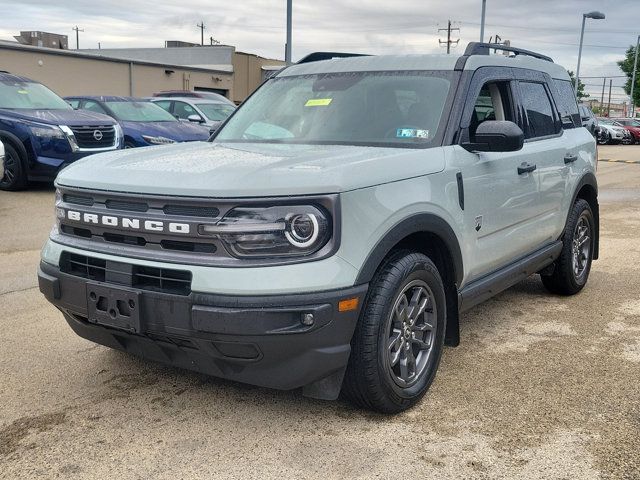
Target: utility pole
{"x":77,"y":30}
{"x":609,"y":104}
{"x":633,"y":80}
{"x":287,"y":46}
{"x":448,"y":42}
{"x":202,"y":28}
{"x":484,"y":11}
{"x":604,"y":81}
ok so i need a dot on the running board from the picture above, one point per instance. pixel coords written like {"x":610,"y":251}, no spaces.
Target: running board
{"x":486,"y":287}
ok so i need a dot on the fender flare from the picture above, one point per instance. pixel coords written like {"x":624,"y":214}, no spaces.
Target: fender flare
{"x":9,"y":137}
{"x":589,"y":178}
{"x":418,"y":223}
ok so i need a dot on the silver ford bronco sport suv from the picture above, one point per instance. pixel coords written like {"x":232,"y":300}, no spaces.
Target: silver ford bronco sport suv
{"x":330,"y":234}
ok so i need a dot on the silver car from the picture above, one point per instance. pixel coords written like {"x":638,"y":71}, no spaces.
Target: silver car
{"x":210,"y":113}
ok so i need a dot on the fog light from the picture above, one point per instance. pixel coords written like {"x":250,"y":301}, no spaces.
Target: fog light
{"x":307,"y":319}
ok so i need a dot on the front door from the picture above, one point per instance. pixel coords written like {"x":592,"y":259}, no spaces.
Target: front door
{"x":501,"y":200}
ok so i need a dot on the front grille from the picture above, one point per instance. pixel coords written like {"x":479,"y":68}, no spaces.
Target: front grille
{"x":95,"y":137}
{"x":126,"y":205}
{"x":78,"y":199}
{"x":165,"y":280}
{"x":191,"y":211}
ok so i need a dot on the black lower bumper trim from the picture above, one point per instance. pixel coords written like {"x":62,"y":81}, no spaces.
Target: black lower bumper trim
{"x":260,"y":340}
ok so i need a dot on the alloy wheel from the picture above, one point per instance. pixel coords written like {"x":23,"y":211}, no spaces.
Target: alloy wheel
{"x":412,"y":333}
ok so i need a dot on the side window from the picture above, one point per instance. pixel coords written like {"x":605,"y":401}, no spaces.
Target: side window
{"x":493,"y":103}
{"x":164,"y":104}
{"x":74,"y":103}
{"x":539,"y":110}
{"x":183,"y":110}
{"x":93,"y":106}
{"x":567,"y":104}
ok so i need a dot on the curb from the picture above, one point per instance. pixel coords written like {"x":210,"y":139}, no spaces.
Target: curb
{"x":618,"y":161}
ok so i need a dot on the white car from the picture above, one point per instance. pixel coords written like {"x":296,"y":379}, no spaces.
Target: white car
{"x":210,"y":113}
{"x":610,"y":131}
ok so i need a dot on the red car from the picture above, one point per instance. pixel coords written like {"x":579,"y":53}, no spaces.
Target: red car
{"x":632,"y":125}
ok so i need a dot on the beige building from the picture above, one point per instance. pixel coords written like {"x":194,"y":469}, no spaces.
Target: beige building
{"x":105,"y":73}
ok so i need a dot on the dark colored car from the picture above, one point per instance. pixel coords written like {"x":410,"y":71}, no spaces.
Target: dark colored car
{"x":143,"y":123}
{"x":190,"y":94}
{"x":42,"y":133}
{"x":632,"y":125}
{"x":589,"y":120}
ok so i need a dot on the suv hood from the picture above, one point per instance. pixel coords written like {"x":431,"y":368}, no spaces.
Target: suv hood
{"x":60,"y":117}
{"x":178,"y":131}
{"x":248,"y":169}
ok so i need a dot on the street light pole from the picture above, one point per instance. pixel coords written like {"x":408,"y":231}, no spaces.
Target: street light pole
{"x":595,"y":16}
{"x":484,"y":11}
{"x":287,"y":48}
{"x":633,"y":80}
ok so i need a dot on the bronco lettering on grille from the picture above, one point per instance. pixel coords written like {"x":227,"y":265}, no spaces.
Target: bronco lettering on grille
{"x":127,"y":222}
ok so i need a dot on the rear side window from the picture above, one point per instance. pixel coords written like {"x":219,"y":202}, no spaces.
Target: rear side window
{"x":539,"y":110}
{"x":567,"y":104}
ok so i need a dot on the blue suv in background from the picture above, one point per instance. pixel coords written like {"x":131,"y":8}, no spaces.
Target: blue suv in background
{"x":143,"y":123}
{"x":42,"y":133}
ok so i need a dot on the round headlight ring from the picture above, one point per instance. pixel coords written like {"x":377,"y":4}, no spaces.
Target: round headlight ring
{"x":293,"y":234}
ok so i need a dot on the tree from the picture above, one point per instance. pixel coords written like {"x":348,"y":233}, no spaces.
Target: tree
{"x":626,"y":66}
{"x":581,"y":93}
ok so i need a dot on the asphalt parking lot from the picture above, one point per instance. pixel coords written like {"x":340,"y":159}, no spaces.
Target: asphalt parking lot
{"x":540,"y":387}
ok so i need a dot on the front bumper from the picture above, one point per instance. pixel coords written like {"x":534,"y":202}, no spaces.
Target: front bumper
{"x":259,"y":340}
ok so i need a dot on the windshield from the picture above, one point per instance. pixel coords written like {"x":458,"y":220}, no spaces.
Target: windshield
{"x":140,"y":112}
{"x":29,"y":95}
{"x":362,"y":108}
{"x":216,"y":111}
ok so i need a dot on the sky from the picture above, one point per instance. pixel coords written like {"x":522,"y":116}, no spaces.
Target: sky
{"x":551,"y":27}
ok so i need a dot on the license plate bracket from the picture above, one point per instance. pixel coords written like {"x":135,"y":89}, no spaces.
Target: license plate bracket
{"x":114,"y":307}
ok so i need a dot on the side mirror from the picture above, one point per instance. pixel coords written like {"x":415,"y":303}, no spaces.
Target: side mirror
{"x":496,"y":136}
{"x":195,"y":119}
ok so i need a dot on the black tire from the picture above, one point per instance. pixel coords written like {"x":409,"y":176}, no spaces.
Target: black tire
{"x":566,"y":278}
{"x":128,"y":144}
{"x":604,"y":138}
{"x":15,"y":175}
{"x":370,"y":381}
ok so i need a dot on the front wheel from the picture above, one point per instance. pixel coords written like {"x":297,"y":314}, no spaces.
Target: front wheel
{"x":572,"y":268}
{"x":399,"y":338}
{"x":603,"y":138}
{"x":15,"y":176}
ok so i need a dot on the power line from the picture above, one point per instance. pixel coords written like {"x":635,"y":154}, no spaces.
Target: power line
{"x":448,"y":42}
{"x":77,"y":30}
{"x":202,"y":28}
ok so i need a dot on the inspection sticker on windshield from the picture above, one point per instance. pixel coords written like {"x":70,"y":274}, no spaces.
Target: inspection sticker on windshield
{"x":412,"y":133}
{"x":318,"y":102}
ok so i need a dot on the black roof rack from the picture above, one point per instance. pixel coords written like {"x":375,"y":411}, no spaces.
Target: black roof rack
{"x":317,"y":56}
{"x":477,"y":48}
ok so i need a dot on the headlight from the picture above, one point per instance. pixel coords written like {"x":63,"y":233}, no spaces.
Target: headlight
{"x":272,"y":231}
{"x":157,"y":140}
{"x":47,"y":133}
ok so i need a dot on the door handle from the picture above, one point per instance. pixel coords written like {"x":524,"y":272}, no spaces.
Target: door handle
{"x":526,"y":168}
{"x":570,"y":158}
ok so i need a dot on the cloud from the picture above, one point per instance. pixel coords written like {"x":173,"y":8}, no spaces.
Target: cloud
{"x":409,"y":26}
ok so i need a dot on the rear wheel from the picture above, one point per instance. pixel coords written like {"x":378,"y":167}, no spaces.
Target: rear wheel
{"x":572,"y":268}
{"x":398,"y":342}
{"x":15,"y":175}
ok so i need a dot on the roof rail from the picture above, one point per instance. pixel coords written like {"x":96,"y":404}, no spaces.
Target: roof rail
{"x":317,"y":56}
{"x":478,"y":48}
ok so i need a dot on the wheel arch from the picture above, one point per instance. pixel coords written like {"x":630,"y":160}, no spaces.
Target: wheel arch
{"x":15,"y":142}
{"x":432,"y":235}
{"x":587,"y":189}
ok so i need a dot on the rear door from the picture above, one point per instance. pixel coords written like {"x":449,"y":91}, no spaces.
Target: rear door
{"x":547,"y":147}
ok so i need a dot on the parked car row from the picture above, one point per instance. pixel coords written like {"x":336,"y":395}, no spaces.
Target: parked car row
{"x":610,"y":130}
{"x":41,"y":132}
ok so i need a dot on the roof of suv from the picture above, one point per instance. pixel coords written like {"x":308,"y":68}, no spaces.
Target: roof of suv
{"x":6,"y":76}
{"x":196,"y":100}
{"x":423,"y":62}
